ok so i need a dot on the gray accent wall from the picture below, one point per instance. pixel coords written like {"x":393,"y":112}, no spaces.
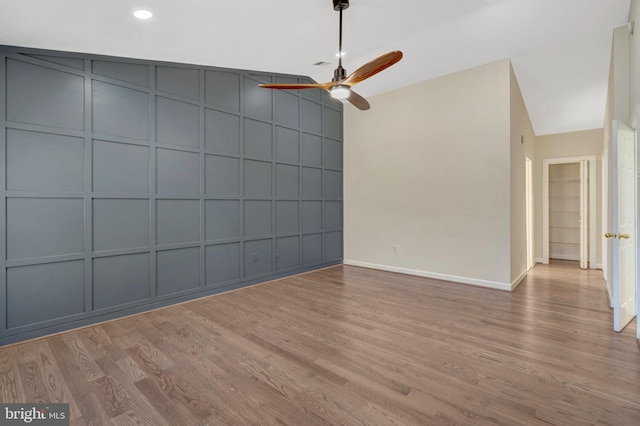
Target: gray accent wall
{"x":130,"y":184}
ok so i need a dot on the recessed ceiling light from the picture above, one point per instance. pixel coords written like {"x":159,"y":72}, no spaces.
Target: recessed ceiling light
{"x":142,"y":14}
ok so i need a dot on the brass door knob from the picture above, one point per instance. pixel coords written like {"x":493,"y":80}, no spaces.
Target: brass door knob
{"x":609,"y":235}
{"x":625,"y":236}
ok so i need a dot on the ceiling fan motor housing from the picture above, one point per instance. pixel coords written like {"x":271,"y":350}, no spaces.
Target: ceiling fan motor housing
{"x":340,"y":4}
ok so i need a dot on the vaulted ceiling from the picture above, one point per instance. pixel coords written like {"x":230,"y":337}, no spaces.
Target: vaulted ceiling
{"x":560,"y":49}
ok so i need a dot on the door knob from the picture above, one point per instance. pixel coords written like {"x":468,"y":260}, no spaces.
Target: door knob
{"x":609,"y":235}
{"x":625,"y":236}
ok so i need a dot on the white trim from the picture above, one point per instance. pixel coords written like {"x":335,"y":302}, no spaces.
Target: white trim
{"x":584,"y":214}
{"x":539,"y":260}
{"x":529,"y":213}
{"x":597,"y":266}
{"x":604,"y":225}
{"x":515,"y":283}
{"x":592,"y":202}
{"x":609,"y":297}
{"x":434,"y":275}
{"x":592,"y":213}
{"x":545,"y":212}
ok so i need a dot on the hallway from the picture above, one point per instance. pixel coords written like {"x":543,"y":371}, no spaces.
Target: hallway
{"x":564,"y":283}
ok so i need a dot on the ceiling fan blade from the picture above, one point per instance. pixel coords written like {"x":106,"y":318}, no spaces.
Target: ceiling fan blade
{"x":358,"y":101}
{"x":286,"y":86}
{"x":372,"y":68}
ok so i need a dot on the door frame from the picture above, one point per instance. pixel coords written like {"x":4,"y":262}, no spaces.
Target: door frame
{"x":529,"y":225}
{"x":634,"y":126}
{"x":584,"y":208}
{"x":546,"y":163}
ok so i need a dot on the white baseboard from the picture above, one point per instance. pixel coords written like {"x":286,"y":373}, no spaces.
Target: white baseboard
{"x":435,"y":275}
{"x":515,"y":283}
{"x":597,"y":266}
{"x":539,"y":260}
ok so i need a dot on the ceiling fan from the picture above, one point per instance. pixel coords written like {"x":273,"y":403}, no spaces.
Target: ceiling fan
{"x":340,"y":85}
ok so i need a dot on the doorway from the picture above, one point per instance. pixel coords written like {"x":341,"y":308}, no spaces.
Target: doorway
{"x":565,"y":212}
{"x":570,"y":191}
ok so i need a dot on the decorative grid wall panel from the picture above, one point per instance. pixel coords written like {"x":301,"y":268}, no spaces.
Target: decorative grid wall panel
{"x":130,"y":184}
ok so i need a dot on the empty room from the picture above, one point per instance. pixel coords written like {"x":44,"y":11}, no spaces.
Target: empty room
{"x":320,"y":212}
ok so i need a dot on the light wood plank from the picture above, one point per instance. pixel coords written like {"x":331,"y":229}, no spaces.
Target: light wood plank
{"x":348,"y":346}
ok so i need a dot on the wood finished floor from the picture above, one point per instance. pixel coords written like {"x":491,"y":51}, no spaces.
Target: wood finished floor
{"x":348,"y":346}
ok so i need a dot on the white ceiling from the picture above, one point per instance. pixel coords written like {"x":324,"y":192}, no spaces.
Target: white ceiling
{"x":560,"y":49}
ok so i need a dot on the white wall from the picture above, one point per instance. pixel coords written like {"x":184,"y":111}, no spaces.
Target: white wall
{"x":427,"y":169}
{"x":522,"y":144}
{"x":437,"y":170}
{"x":620,"y":73}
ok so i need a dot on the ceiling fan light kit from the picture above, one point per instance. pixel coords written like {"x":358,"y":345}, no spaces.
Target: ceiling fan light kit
{"x":340,"y":85}
{"x":340,"y":91}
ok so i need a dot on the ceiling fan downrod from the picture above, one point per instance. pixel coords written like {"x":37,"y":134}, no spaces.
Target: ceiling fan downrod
{"x":340,"y":73}
{"x":340,"y":87}
{"x":340,"y":4}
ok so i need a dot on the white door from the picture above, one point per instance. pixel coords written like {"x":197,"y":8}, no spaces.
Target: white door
{"x":622,"y":236}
